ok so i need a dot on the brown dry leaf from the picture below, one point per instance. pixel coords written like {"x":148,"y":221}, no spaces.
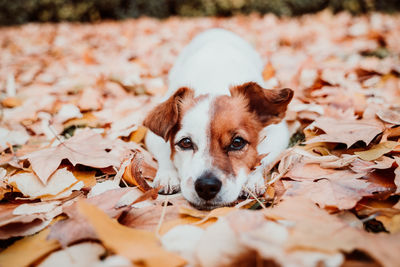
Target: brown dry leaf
{"x":76,"y":228}
{"x":137,"y":245}
{"x":28,"y":250}
{"x":346,"y":131}
{"x":313,"y":226}
{"x":136,"y":172}
{"x":246,"y":238}
{"x":86,"y":147}
{"x":26,"y":219}
{"x":397,"y":175}
{"x":377,"y":151}
{"x":328,"y":187}
{"x":147,"y":218}
{"x":362,"y":166}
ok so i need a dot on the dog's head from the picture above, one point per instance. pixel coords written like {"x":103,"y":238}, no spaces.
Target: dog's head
{"x":214,"y":139}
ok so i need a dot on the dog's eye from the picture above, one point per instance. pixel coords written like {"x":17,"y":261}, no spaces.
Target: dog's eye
{"x":185,"y":143}
{"x":237,"y":143}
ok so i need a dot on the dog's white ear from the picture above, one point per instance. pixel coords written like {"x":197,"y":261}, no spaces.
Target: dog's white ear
{"x":268,"y":104}
{"x":165,"y":117}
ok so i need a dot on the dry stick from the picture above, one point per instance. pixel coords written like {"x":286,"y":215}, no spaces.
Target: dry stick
{"x":279,"y":176}
{"x":255,"y":197}
{"x":164,"y":210}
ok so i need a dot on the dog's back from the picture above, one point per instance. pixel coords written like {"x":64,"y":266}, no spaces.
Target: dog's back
{"x":213,"y":62}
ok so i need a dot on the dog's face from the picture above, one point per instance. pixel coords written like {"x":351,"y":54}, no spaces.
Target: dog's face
{"x":214,"y":139}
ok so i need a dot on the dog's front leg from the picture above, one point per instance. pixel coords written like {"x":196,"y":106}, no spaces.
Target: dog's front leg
{"x":167,"y":176}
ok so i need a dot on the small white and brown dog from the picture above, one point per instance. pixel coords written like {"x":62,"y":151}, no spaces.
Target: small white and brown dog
{"x":218,"y":127}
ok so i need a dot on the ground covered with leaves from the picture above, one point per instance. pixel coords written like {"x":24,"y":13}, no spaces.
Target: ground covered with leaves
{"x":75,"y":176}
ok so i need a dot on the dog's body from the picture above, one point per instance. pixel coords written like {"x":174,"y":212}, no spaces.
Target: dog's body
{"x":217,"y":122}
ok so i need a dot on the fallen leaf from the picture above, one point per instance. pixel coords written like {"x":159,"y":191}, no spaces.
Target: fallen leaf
{"x":86,"y":147}
{"x":76,"y":228}
{"x":26,"y":219}
{"x":136,"y":172}
{"x":397,"y":175}
{"x":87,"y":120}
{"x":268,"y":72}
{"x":390,"y":116}
{"x":138,"y":135}
{"x":328,"y":187}
{"x":359,"y":165}
{"x":102,"y":187}
{"x":346,"y":131}
{"x":90,"y":99}
{"x":205,"y":215}
{"x":12,"y":138}
{"x":377,"y":151}
{"x":28,"y":250}
{"x":137,"y":245}
{"x":87,"y":177}
{"x":306,"y":216}
{"x":29,"y":184}
{"x":11,"y":102}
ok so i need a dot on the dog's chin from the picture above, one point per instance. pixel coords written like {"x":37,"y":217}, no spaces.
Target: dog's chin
{"x":210,"y":205}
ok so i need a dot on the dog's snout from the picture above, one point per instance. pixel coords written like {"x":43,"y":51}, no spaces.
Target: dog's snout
{"x":207,"y":186}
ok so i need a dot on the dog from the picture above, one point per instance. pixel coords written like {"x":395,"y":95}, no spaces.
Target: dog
{"x":218,"y":127}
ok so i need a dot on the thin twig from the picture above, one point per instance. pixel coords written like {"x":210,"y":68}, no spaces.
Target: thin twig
{"x":164,"y":210}
{"x":255,"y":197}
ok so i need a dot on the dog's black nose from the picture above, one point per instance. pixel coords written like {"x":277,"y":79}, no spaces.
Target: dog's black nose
{"x":207,"y":186}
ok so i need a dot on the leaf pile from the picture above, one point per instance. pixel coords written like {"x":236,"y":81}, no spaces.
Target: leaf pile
{"x":75,"y":176}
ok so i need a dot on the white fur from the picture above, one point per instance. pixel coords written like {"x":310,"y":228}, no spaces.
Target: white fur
{"x":211,"y":64}
{"x":192,"y":163}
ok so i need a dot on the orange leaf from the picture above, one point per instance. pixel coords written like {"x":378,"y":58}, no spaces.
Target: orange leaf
{"x":136,"y":171}
{"x":141,"y":247}
{"x":138,"y":135}
{"x":26,"y":251}
{"x":11,"y":102}
{"x":268,"y":72}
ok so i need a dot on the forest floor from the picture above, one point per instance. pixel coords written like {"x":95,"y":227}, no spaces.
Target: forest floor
{"x":75,"y":174}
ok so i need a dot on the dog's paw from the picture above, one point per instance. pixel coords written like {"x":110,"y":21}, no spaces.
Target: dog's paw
{"x":168,"y":180}
{"x":254,"y":184}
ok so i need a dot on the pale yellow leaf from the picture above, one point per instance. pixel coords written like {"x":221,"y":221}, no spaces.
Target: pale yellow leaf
{"x":377,"y":151}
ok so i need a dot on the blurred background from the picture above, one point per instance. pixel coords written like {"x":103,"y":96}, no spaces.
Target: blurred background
{"x":22,"y":11}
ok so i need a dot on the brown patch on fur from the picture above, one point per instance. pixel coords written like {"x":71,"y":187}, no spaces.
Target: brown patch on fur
{"x":232,"y":118}
{"x":185,"y":106}
{"x":269,"y":105}
{"x":164,"y":119}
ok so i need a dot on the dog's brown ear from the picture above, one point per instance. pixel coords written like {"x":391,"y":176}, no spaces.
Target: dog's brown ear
{"x":269,"y":105}
{"x":164,"y":117}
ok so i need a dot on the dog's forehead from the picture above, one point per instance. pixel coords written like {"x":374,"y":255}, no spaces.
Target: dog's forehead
{"x":213,"y":116}
{"x":228,"y":114}
{"x":196,"y":119}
